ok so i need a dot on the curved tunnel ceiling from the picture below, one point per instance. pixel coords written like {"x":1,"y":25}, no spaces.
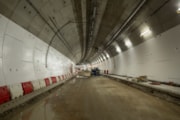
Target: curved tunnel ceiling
{"x":84,"y":29}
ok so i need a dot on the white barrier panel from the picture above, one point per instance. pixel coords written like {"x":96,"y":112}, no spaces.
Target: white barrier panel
{"x":16,"y":90}
{"x":50,"y":80}
{"x":36,"y":85}
{"x":57,"y":78}
{"x":42,"y":83}
{"x":61,"y":78}
{"x":65,"y":76}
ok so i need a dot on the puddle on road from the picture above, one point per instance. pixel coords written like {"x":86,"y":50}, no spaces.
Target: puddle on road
{"x":73,"y":81}
{"x":81,"y":76}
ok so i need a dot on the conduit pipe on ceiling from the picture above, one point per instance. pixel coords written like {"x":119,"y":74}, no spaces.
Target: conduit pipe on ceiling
{"x":89,"y":40}
{"x":119,"y":31}
{"x":126,"y":22}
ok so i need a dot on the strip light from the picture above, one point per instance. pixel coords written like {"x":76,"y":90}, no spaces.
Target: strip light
{"x":107,"y":55}
{"x":101,"y":59}
{"x":104,"y":57}
{"x":128,"y":43}
{"x":118,"y":49}
{"x":146,"y":32}
{"x":178,"y":10}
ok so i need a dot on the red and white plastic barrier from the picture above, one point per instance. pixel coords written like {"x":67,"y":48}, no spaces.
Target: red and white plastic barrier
{"x":47,"y":81}
{"x":36,"y":85}
{"x":42,"y":83}
{"x":54,"y":80}
{"x":14,"y":91}
{"x":4,"y":94}
{"x":27,"y":87}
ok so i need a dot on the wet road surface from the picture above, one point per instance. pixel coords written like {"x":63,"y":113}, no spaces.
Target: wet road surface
{"x":98,"y":98}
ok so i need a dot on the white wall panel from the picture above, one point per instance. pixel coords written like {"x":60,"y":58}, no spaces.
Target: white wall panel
{"x":23,"y":56}
{"x":12,"y":48}
{"x":19,"y":72}
{"x":16,"y":68}
{"x":158,"y":58}
{"x":1,"y":45}
{"x":3,"y":24}
{"x":39,"y":66}
{"x":16,"y":31}
{"x":2,"y":79}
{"x":110,"y":65}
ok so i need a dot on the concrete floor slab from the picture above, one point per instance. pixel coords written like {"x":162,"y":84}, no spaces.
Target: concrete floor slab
{"x":98,"y":98}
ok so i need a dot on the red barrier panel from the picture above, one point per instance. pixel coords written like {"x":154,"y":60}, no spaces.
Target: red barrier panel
{"x":47,"y":81}
{"x":53,"y":79}
{"x":27,"y":87}
{"x":4,"y":94}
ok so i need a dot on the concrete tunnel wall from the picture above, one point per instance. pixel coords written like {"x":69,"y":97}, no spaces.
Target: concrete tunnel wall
{"x":22,"y":56}
{"x":157,"y":58}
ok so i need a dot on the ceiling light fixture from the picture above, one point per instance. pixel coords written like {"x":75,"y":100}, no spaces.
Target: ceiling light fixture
{"x":146,"y":32}
{"x":178,"y":10}
{"x":104,"y":57}
{"x":107,"y":55}
{"x":128,"y":43}
{"x":118,"y":49}
{"x":100,"y":59}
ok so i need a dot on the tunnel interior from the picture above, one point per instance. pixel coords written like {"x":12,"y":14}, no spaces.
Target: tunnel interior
{"x":46,"y":43}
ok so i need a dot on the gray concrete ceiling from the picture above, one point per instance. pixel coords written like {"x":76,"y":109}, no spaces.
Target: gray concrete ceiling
{"x":83,"y":29}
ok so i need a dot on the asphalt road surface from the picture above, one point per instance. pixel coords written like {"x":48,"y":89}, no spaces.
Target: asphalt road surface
{"x":98,"y":98}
